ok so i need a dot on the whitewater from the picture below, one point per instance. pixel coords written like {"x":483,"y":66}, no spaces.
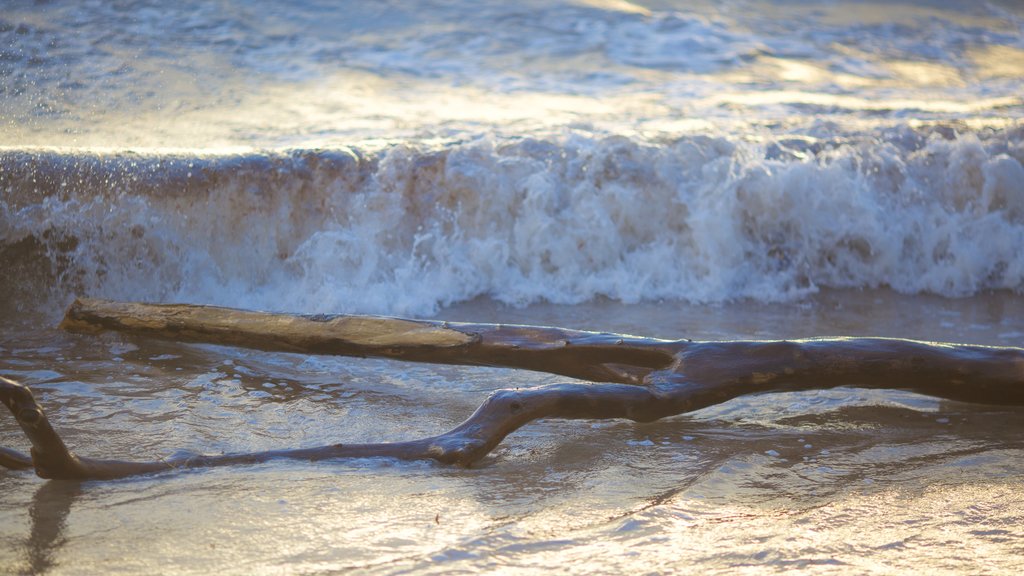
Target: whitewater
{"x":714,"y":170}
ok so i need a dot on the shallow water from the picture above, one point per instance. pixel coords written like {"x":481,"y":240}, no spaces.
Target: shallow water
{"x":840,"y":481}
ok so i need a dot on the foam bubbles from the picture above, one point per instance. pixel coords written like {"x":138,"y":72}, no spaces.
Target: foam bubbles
{"x":564,"y":218}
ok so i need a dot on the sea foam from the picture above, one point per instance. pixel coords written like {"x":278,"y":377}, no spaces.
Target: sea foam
{"x":564,"y":218}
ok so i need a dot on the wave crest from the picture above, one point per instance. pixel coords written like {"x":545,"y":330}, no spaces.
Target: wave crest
{"x":564,"y":218}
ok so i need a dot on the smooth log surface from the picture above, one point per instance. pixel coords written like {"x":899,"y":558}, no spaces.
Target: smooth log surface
{"x":593,"y":356}
{"x":640,"y":379}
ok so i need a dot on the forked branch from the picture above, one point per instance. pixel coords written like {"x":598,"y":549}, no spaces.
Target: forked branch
{"x":641,"y":379}
{"x":503,"y":412}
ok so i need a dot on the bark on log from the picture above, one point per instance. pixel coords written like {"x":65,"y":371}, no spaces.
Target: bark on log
{"x":640,"y":379}
{"x":577,"y":354}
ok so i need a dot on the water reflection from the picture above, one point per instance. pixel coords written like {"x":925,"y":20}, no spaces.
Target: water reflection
{"x":862,"y":478}
{"x":49,"y":512}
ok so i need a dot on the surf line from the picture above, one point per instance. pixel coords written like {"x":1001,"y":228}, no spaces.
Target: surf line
{"x":630,"y":377}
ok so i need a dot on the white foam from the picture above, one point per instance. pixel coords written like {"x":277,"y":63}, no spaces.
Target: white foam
{"x":564,"y":218}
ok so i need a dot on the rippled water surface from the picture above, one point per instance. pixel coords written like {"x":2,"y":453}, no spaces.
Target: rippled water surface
{"x":737,"y":169}
{"x":842,"y":481}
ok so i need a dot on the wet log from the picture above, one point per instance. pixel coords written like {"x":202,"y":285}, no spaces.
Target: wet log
{"x":635,"y":378}
{"x":593,"y":356}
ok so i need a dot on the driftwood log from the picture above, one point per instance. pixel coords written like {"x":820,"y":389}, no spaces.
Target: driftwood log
{"x":640,"y":379}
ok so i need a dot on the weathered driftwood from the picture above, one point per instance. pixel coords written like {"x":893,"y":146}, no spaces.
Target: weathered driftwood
{"x":640,"y":379}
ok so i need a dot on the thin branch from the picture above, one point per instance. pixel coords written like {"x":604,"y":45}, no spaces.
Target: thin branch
{"x":502,"y":413}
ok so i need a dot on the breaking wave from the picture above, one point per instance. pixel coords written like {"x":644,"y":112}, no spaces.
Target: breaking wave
{"x":564,"y":217}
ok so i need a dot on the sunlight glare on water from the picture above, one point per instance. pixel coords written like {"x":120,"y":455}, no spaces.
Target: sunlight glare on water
{"x":843,"y":481}
{"x":739,"y":169}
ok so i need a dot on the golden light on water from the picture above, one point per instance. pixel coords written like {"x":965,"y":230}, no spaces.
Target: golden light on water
{"x":877,"y":530}
{"x":856,"y":103}
{"x":999,"y":61}
{"x":806,"y":168}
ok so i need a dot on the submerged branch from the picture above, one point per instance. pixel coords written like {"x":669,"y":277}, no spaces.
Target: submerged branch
{"x":502,"y":413}
{"x":642,"y":379}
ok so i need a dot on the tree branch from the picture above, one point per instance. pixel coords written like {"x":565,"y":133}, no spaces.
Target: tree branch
{"x":644,"y":379}
{"x":593,"y":356}
{"x":502,"y":413}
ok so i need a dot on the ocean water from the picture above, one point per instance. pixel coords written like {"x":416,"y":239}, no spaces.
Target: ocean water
{"x":712,"y":170}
